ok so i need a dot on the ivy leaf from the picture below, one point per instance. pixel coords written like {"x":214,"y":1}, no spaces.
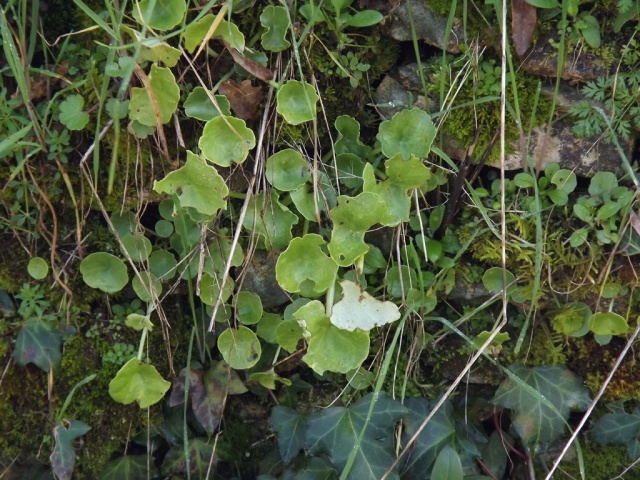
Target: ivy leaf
{"x":335,"y":431}
{"x":396,"y":138}
{"x":303,"y":267}
{"x":198,"y":105}
{"x":351,"y":219}
{"x":130,"y":467}
{"x":619,"y":428}
{"x":199,"y":452}
{"x":71,"y":114}
{"x":198,"y":186}
{"x":166,"y":95}
{"x":269,"y":219}
{"x":276,"y":21}
{"x":358,"y":309}
{"x":296,"y":102}
{"x":39,"y":343}
{"x":63,"y":456}
{"x":226,"y":140}
{"x":136,"y":381}
{"x":330,"y":348}
{"x":290,"y":428}
{"x":541,"y":399}
{"x":159,"y":14}
{"x":438,"y":433}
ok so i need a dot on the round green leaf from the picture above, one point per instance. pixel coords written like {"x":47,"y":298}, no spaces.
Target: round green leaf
{"x":226,"y":140}
{"x":267,"y":327}
{"x":146,"y":283}
{"x":276,"y":21}
{"x":38,"y":268}
{"x":104,"y":271}
{"x":303,"y":267}
{"x":288,"y":334}
{"x":210,"y":288}
{"x":325,"y":198}
{"x":240,"y":348}
{"x":602,"y":182}
{"x":163,"y":264}
{"x":248,"y":307}
{"x":296,"y":102}
{"x":136,"y":381}
{"x":164,"y":228}
{"x":198,"y":105}
{"x":287,"y":170}
{"x":608,"y":323}
{"x":492,"y":279}
{"x":159,"y":14}
{"x":565,"y":180}
{"x":409,"y":132}
{"x":165,"y":92}
{"x":400,"y":280}
{"x":137,"y":246}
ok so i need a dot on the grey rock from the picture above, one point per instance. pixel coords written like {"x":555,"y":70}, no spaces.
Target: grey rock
{"x":260,"y":278}
{"x":7,"y":307}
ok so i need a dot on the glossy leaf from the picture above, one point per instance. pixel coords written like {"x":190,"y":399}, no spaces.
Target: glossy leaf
{"x":104,"y":271}
{"x":166,"y":95}
{"x":39,"y":343}
{"x":276,"y":21}
{"x":329,"y":347}
{"x":335,"y":431}
{"x":287,"y":170}
{"x":163,"y":265}
{"x":197,"y":185}
{"x":159,"y":14}
{"x":396,"y":138}
{"x":351,"y":219}
{"x":288,"y":334}
{"x":240,"y":347}
{"x":139,"y":382}
{"x":448,"y":465}
{"x":358,"y":309}
{"x":303,"y":267}
{"x":63,"y":456}
{"x":325,"y":198}
{"x":290,"y":428}
{"x":492,"y":279}
{"x":542,"y":400}
{"x":226,"y":140}
{"x":619,"y":428}
{"x":364,"y":18}
{"x":198,"y":105}
{"x":248,"y":307}
{"x":269,"y":219}
{"x":296,"y":102}
{"x":138,"y":322}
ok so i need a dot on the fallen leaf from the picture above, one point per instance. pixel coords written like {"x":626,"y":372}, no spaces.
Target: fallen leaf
{"x":251,"y":66}
{"x":523,"y":22}
{"x":244,"y":98}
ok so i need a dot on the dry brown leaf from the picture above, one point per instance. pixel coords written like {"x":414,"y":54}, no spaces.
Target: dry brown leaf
{"x":251,"y":66}
{"x":245,"y":99}
{"x":523,"y":22}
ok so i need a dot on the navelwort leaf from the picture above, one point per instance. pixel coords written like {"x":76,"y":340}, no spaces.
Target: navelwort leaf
{"x":226,"y":140}
{"x":330,"y":348}
{"x":358,"y":309}
{"x":541,"y":399}
{"x":199,"y":105}
{"x":303,"y":267}
{"x":276,"y":21}
{"x":296,"y":102}
{"x":396,"y":138}
{"x":159,"y":14}
{"x":195,"y":33}
{"x":239,"y":347}
{"x":166,"y":95}
{"x":287,"y":170}
{"x":269,"y":219}
{"x":104,"y":271}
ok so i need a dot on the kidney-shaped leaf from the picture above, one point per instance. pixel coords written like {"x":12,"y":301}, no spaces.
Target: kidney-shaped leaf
{"x":304,"y":267}
{"x":165,"y":92}
{"x":608,"y":323}
{"x":541,"y":398}
{"x":198,"y":105}
{"x":276,"y":21}
{"x":226,"y":140}
{"x":159,"y":14}
{"x":409,"y":132}
{"x":63,"y":456}
{"x":296,"y":102}
{"x":197,"y":184}
{"x":336,"y":430}
{"x":330,"y":348}
{"x":358,"y":309}
{"x":136,"y":381}
{"x":104,"y":271}
{"x":195,"y":33}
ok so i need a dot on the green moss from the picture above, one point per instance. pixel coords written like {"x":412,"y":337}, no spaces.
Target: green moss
{"x":600,"y":463}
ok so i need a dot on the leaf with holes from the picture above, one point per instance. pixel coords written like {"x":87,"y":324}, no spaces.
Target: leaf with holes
{"x":165,"y":95}
{"x":63,"y":456}
{"x":198,"y":186}
{"x":226,"y":140}
{"x":358,"y":309}
{"x":542,"y":399}
{"x":330,"y":348}
{"x":396,"y":138}
{"x":136,"y":381}
{"x":303,"y":267}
